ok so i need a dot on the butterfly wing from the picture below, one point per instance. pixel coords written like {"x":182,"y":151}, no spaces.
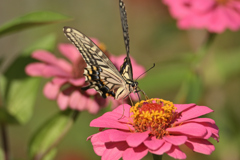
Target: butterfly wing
{"x":126,"y":68}
{"x":100,"y":72}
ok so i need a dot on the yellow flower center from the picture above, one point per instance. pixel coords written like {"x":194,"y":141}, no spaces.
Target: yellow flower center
{"x":154,"y":115}
{"x":223,"y":2}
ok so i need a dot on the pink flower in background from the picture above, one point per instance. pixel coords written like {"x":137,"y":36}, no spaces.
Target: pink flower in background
{"x":156,"y":126}
{"x":213,"y":15}
{"x":65,"y":87}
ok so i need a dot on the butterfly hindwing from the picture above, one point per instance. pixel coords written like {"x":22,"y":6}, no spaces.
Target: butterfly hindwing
{"x":126,"y":68}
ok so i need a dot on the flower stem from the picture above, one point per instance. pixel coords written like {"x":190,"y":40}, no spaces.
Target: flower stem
{"x":202,"y":51}
{"x":5,"y":141}
{"x":157,"y":157}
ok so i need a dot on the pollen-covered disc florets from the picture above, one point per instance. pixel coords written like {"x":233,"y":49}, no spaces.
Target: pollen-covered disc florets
{"x":154,"y":115}
{"x":222,"y":1}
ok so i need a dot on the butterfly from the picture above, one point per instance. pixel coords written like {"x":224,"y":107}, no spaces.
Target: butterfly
{"x":100,"y":72}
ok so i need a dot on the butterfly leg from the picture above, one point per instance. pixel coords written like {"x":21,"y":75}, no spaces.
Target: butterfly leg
{"x":123,"y":111}
{"x":146,"y":97}
{"x":130,"y":99}
{"x":123,"y":105}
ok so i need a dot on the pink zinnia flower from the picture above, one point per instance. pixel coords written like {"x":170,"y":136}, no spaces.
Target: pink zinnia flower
{"x":156,"y":126}
{"x":68,"y":79}
{"x":213,"y":15}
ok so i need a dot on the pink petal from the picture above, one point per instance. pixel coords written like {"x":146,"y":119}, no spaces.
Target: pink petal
{"x":176,"y":153}
{"x":64,"y":65}
{"x":209,"y":133}
{"x":55,"y":71}
{"x":62,"y":101}
{"x":218,"y":19}
{"x":104,"y":136}
{"x":164,"y":148}
{"x":114,"y":135}
{"x":74,"y":99}
{"x":51,"y":90}
{"x":35,"y":69}
{"x":110,"y":120}
{"x":209,"y":124}
{"x":190,"y":129}
{"x":45,"y":56}
{"x":177,"y":9}
{"x":82,"y":105}
{"x":92,"y":106}
{"x":200,"y":145}
{"x":135,"y":153}
{"x":123,"y":109}
{"x":70,"y":51}
{"x":98,"y":146}
{"x":207,"y":120}
{"x":202,"y":6}
{"x":59,"y":81}
{"x":91,"y":91}
{"x":114,"y":150}
{"x":77,"y":82}
{"x":193,"y":113}
{"x":183,"y":107}
{"x":136,"y":139}
{"x":153,"y":143}
{"x":175,"y":140}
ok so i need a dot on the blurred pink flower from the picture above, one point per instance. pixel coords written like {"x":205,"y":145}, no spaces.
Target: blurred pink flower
{"x":65,"y":87}
{"x":156,"y":126}
{"x":213,"y":15}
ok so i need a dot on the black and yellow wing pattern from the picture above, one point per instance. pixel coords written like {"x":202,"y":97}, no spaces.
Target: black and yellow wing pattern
{"x":100,"y":72}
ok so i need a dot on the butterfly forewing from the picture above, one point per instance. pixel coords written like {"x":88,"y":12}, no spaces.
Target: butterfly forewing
{"x":102,"y":75}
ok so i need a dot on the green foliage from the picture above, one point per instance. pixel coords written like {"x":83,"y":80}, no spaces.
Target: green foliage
{"x":228,"y":63}
{"x":18,"y":90}
{"x":1,"y":154}
{"x":50,"y":133}
{"x":31,"y":20}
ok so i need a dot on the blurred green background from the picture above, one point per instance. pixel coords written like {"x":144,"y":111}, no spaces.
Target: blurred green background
{"x":154,"y":38}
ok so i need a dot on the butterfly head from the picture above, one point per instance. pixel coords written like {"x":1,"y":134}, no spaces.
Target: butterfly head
{"x":134,"y":85}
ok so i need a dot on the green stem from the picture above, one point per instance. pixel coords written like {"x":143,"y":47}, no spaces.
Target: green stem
{"x":185,"y":93}
{"x":5,"y":141}
{"x":202,"y":51}
{"x":157,"y":157}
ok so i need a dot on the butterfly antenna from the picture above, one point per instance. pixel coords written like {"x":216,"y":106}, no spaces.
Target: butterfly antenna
{"x":146,"y":71}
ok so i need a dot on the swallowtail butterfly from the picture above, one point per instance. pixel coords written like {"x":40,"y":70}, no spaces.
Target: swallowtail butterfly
{"x":100,"y":72}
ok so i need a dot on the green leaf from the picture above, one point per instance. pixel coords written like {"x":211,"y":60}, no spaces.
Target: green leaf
{"x":51,"y":154}
{"x":50,"y":134}
{"x":31,"y":20}
{"x":19,"y":91}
